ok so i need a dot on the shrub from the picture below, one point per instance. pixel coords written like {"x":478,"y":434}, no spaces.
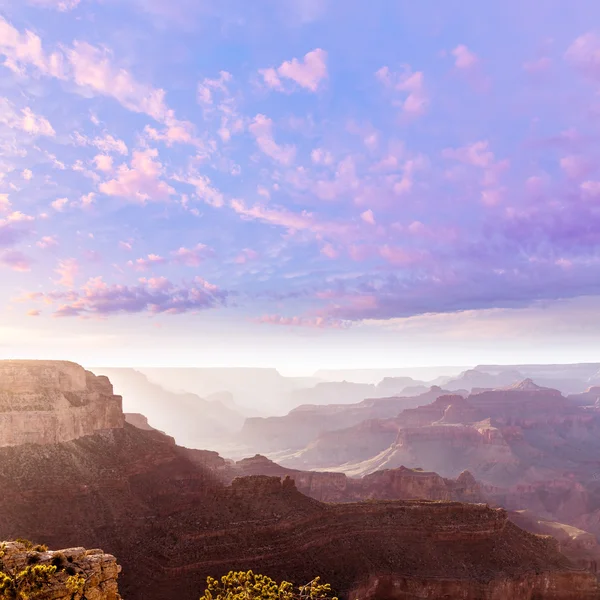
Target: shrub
{"x":241,"y":585}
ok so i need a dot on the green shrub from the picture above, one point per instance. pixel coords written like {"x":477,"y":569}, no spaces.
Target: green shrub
{"x":241,"y":585}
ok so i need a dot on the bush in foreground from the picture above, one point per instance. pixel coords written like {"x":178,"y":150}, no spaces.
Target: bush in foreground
{"x":246,"y":585}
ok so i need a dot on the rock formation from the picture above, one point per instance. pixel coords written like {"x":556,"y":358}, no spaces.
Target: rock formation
{"x":168,"y":517}
{"x":391,"y":484}
{"x":51,"y":402}
{"x":95,"y":573}
{"x":308,"y":423}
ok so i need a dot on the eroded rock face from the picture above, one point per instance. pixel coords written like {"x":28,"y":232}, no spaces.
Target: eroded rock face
{"x":98,"y":571}
{"x":55,"y":401}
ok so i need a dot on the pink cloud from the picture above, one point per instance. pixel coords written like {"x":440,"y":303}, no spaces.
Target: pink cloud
{"x":25,"y":120}
{"x":60,"y":204}
{"x":48,"y":241}
{"x":87,"y":66}
{"x":143,"y":264}
{"x":103,"y":162}
{"x":310,"y":322}
{"x":154,"y":296}
{"x":204,"y":188}
{"x":246,"y":255}
{"x":575,"y":166}
{"x":321,"y":157}
{"x":477,"y":154}
{"x":36,"y":125}
{"x":304,"y":221}
{"x":262,"y":129}
{"x":591,"y":188}
{"x":329,"y":251}
{"x":33,"y":313}
{"x":25,"y":49}
{"x":61,"y":5}
{"x":15,"y":260}
{"x":537,"y":66}
{"x":125,"y":245}
{"x":67,"y":270}
{"x":5,"y":204}
{"x":207,"y":87}
{"x":141,"y":182}
{"x":464,"y":58}
{"x":307,"y":73}
{"x":584,"y":54}
{"x":401,"y":256}
{"x":368,"y":217}
{"x":407,"y":81}
{"x":345,"y":180}
{"x":192,"y":257}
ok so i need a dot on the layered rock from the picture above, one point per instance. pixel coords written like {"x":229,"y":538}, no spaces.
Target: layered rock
{"x":96,"y":572}
{"x":310,"y":424}
{"x":393,"y":484}
{"x":52,"y":402}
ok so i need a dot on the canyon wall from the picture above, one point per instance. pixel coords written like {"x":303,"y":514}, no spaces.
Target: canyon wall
{"x":50,"y":402}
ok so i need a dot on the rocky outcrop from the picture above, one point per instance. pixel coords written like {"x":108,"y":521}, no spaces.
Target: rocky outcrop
{"x":390,"y":484}
{"x":52,"y":402}
{"x":79,"y":573}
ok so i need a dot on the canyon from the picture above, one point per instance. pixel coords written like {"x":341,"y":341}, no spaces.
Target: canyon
{"x":174,"y":515}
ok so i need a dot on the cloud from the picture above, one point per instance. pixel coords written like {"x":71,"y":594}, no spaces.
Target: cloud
{"x":144,"y":264}
{"x":368,"y":217}
{"x":246,"y":255}
{"x":192,"y":257}
{"x":153,"y":296}
{"x":61,"y":5}
{"x":88,"y":67}
{"x":293,"y":222}
{"x":262,"y":129}
{"x":412,"y":86}
{"x":141,"y":182}
{"x":103,"y":162}
{"x":48,"y":241}
{"x":307,"y":73}
{"x":477,"y":154}
{"x":584,"y":54}
{"x":60,"y":204}
{"x":25,"y":119}
{"x":15,"y":260}
{"x":464,"y":58}
{"x":13,"y":228}
{"x":27,"y":174}
{"x":310,"y":322}
{"x":108,"y":144}
{"x":67,"y":270}
{"x":5,"y":203}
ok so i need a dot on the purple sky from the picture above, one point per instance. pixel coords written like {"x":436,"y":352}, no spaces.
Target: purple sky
{"x":299,"y":183}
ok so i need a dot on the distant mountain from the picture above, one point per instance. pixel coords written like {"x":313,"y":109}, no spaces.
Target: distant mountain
{"x":309,"y":421}
{"x":374,"y":376}
{"x":193,"y":421}
{"x":265,"y":391}
{"x":475,"y":378}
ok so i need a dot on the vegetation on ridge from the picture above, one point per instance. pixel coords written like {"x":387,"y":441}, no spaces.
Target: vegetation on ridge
{"x":241,"y":585}
{"x":35,"y":580}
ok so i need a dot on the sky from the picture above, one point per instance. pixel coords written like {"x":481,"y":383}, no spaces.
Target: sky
{"x":299,"y":183}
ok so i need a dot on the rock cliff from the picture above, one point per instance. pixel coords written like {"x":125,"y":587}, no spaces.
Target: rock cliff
{"x":51,"y":402}
{"x":93,"y":574}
